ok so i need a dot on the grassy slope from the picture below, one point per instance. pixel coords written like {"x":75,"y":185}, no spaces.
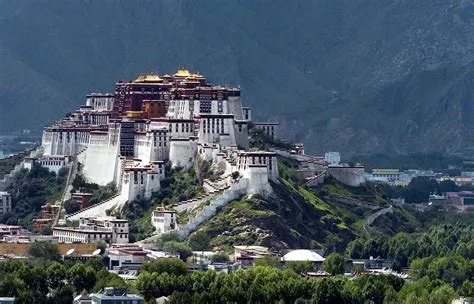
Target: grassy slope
{"x":299,"y":217}
{"x":293,"y":217}
{"x":179,"y":185}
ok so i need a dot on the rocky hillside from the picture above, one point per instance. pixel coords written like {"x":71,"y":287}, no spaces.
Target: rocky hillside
{"x":326,"y":217}
{"x":354,"y":76}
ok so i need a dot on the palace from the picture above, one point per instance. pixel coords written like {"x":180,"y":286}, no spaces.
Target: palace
{"x":126,"y":137}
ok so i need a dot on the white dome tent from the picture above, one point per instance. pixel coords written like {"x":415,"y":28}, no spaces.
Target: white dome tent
{"x":302,"y":255}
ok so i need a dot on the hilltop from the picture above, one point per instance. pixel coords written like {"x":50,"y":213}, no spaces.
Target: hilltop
{"x":352,"y":76}
{"x":324,"y":217}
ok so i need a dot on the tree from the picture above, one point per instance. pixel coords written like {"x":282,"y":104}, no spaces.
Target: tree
{"x":199,"y":241}
{"x":106,"y":279}
{"x":71,"y":206}
{"x":334,"y":264}
{"x":373,"y":289}
{"x":220,"y":258}
{"x":81,"y":277}
{"x":419,"y":189}
{"x":179,"y":248}
{"x":299,"y":266}
{"x":46,"y":230}
{"x":145,"y":284}
{"x":55,"y":273}
{"x":101,"y":244}
{"x":167,"y":237}
{"x":452,"y":269}
{"x":63,"y":295}
{"x":181,"y":298}
{"x":327,"y":292}
{"x":467,"y":289}
{"x":355,"y":249}
{"x":268,"y":261}
{"x":442,"y":295}
{"x":44,"y":251}
{"x":447,"y":186}
{"x":171,"y":266}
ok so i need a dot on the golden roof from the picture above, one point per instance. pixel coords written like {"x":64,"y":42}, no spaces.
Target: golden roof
{"x":182,"y":73}
{"x":134,"y":114}
{"x":148,"y":78}
{"x":196,"y":75}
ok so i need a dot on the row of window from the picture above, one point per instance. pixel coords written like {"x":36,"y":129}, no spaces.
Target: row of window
{"x":52,"y":163}
{"x":213,"y":124}
{"x":260,"y":160}
{"x":185,"y":127}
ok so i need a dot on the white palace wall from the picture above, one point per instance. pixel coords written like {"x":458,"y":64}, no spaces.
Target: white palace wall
{"x":160,"y":149}
{"x":186,"y":109}
{"x":235,"y":107}
{"x":183,"y":152}
{"x":241,"y":134}
{"x":58,"y":142}
{"x":143,"y":147}
{"x":217,"y":129}
{"x":351,"y":176}
{"x":102,"y":157}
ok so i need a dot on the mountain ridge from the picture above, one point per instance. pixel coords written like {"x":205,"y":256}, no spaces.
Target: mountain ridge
{"x":327,"y":70}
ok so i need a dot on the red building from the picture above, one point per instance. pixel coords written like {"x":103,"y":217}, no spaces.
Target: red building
{"x":81,"y":198}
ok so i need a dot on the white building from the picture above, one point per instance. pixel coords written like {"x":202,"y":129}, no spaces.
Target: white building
{"x":333,"y":158}
{"x":109,"y":229}
{"x":140,"y":181}
{"x":164,"y":220}
{"x":256,"y":159}
{"x":5,"y":203}
{"x":9,"y":231}
{"x":126,"y":256}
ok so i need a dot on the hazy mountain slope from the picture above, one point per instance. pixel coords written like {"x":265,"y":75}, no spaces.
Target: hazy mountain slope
{"x":329,"y":70}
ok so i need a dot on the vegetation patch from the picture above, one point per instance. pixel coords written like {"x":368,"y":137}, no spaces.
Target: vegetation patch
{"x":179,"y":185}
{"x":30,"y":190}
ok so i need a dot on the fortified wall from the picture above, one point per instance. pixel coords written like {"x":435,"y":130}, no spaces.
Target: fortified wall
{"x":350,"y":175}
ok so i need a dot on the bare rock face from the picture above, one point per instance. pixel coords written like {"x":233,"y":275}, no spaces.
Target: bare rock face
{"x":354,"y":76}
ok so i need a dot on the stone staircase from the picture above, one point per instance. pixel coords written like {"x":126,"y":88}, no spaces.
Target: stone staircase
{"x":316,"y":179}
{"x":100,"y":209}
{"x":122,"y":167}
{"x":97,"y":209}
{"x":66,"y":195}
{"x":353,"y":201}
{"x":236,"y":191}
{"x":371,"y":219}
{"x":193,"y":203}
{"x":218,"y":185}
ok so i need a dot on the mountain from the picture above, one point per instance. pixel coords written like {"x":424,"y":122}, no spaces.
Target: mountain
{"x":356,"y":76}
